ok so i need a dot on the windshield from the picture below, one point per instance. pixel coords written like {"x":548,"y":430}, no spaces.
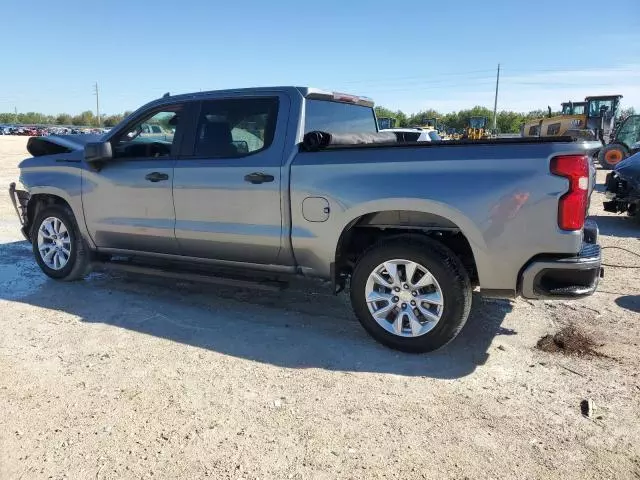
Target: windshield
{"x":335,"y":117}
{"x":629,"y":132}
{"x":434,"y":136}
{"x":573,"y":108}
{"x":596,"y":105}
{"x":477,"y":122}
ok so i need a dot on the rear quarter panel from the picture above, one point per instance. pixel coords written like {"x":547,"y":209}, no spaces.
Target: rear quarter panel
{"x":502,"y":197}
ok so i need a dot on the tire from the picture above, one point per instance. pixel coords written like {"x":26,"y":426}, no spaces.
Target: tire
{"x":450,"y":277}
{"x":611,"y":155}
{"x":78,"y":260}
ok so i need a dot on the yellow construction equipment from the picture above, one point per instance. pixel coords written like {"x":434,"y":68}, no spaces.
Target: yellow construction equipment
{"x":592,"y":119}
{"x":476,"y":129}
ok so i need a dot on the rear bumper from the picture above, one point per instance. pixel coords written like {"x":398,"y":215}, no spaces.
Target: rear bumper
{"x":550,"y":277}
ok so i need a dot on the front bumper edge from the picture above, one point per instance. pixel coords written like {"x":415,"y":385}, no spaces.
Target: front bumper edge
{"x":20,"y":199}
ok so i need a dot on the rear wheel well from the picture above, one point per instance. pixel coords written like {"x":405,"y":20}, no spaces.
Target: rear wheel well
{"x":368,"y":230}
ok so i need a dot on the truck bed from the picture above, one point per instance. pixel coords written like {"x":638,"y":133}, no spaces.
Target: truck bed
{"x":499,"y":193}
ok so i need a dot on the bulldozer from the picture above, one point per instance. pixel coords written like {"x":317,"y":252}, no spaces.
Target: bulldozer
{"x":476,"y":129}
{"x":589,"y":120}
{"x":595,"y":119}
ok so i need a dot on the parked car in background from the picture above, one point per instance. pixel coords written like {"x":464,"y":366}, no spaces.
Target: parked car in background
{"x":414,"y":134}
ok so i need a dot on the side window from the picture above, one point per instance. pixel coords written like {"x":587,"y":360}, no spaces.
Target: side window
{"x":150,"y":137}
{"x":553,"y":129}
{"x":534,"y":130}
{"x":235,"y":127}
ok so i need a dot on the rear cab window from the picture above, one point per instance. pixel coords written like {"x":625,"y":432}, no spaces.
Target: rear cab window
{"x":338,"y":117}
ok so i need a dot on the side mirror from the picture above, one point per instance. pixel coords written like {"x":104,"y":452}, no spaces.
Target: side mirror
{"x":97,"y":152}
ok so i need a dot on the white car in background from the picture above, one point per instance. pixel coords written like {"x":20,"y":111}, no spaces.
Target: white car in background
{"x":414,"y":134}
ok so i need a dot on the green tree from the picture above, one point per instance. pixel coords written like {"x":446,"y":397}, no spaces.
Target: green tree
{"x":509,"y":122}
{"x":112,"y":120}
{"x":401,"y":117}
{"x":85,"y":119}
{"x":424,"y":116}
{"x":382,"y":112}
{"x":63,"y":119}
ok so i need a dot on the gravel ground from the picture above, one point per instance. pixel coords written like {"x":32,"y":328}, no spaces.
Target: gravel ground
{"x":125,"y":377}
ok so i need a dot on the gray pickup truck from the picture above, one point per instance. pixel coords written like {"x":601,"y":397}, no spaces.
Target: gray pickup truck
{"x":260,"y":184}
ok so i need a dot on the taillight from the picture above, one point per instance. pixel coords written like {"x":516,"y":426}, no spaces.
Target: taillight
{"x":572,"y":207}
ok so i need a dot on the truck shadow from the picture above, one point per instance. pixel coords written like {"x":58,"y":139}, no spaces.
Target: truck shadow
{"x":303,"y":327}
{"x":618,"y":225}
{"x":629,"y":302}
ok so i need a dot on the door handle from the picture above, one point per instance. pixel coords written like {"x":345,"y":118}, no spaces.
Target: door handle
{"x":257,"y":177}
{"x":156,"y":176}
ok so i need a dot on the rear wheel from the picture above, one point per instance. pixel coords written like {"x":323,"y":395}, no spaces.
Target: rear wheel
{"x":412,"y":295}
{"x":58,"y":246}
{"x":611,"y":155}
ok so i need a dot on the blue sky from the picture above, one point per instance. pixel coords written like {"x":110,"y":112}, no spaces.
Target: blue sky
{"x":407,"y":55}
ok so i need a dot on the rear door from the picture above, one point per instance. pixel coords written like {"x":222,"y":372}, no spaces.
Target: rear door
{"x":227,"y":186}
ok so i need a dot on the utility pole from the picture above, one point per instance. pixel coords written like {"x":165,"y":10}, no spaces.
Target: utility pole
{"x":495,"y":102}
{"x":97,"y":94}
{"x":15,"y":111}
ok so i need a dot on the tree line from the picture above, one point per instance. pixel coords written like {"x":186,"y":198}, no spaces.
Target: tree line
{"x":506,"y":121}
{"x":84,"y":119}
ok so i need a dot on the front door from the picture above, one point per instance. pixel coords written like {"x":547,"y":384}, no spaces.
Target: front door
{"x":128,"y":203}
{"x":227,"y":189}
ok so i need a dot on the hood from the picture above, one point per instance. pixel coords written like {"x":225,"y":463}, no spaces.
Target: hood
{"x":629,"y":168}
{"x":632,"y":162}
{"x":53,"y":144}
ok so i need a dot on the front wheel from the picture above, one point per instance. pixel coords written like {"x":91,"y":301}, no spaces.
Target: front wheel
{"x":411,"y":294}
{"x":58,"y":245}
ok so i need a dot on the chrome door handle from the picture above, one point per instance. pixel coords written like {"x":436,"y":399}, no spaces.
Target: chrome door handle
{"x":257,"y":177}
{"x":156,"y":176}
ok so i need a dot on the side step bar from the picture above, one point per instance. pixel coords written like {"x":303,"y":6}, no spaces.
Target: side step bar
{"x":269,"y":285}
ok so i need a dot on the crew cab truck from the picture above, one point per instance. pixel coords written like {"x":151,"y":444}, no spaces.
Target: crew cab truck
{"x":266,"y":183}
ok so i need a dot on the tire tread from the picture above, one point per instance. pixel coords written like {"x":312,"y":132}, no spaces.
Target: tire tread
{"x":458,"y":285}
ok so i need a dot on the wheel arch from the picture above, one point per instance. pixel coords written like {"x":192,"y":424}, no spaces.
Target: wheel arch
{"x":365,"y":225}
{"x":40,"y":198}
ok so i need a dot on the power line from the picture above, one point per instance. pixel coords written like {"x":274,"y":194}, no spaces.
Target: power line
{"x":421,"y":77}
{"x":444,"y":77}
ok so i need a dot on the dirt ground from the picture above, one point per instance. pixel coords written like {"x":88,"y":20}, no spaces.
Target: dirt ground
{"x":125,"y":377}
